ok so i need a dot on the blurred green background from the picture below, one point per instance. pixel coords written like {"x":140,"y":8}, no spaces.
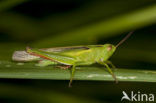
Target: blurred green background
{"x":52,"y":23}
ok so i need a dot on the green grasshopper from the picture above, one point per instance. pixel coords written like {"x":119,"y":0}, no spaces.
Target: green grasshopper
{"x":71,"y":56}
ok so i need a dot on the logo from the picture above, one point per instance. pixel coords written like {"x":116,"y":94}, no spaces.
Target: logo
{"x":137,"y":96}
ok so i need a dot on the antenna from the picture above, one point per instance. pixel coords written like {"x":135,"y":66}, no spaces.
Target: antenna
{"x":125,"y":38}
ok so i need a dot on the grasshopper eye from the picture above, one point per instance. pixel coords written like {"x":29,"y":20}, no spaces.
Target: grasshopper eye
{"x":109,"y":48}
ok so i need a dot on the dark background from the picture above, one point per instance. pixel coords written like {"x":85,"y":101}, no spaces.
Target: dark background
{"x":50,"y":23}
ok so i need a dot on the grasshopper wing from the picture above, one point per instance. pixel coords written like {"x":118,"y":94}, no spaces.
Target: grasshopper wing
{"x":69,"y":48}
{"x":73,"y":50}
{"x":23,"y":56}
{"x":64,"y":49}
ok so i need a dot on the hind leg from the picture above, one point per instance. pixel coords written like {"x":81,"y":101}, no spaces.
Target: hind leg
{"x":44,"y":63}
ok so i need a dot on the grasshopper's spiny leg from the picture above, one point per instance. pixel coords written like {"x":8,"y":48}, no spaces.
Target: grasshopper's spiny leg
{"x":111,"y":64}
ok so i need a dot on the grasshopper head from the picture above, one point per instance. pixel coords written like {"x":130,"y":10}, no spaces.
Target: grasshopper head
{"x":109,"y":49}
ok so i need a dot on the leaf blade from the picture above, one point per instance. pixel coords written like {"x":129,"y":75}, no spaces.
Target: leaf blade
{"x":29,"y":71}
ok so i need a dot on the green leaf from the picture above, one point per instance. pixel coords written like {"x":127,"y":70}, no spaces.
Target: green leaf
{"x":30,"y":71}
